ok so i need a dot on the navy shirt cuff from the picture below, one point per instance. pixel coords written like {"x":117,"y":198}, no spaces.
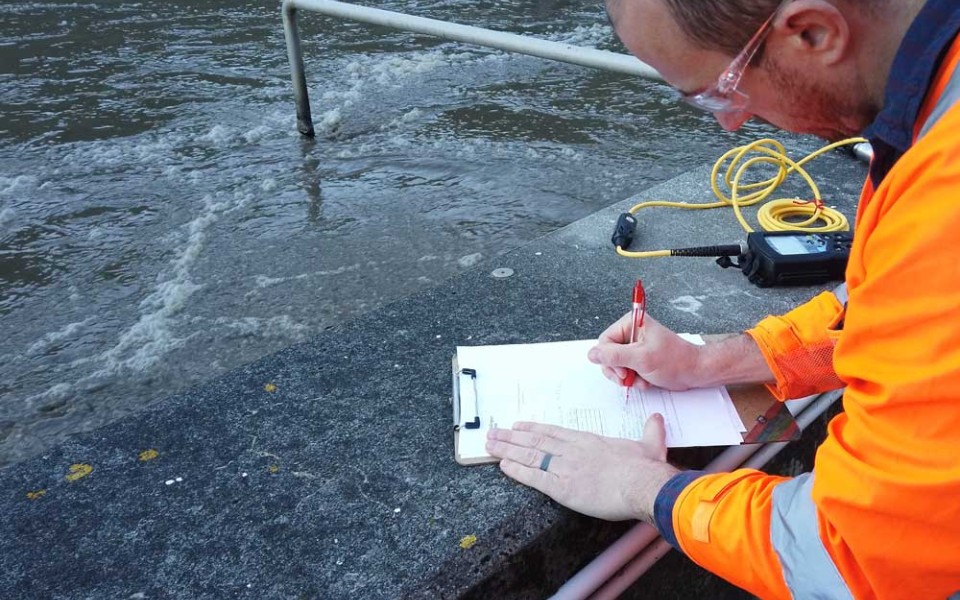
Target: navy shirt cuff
{"x":663,"y":505}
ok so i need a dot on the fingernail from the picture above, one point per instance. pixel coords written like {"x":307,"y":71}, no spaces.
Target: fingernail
{"x":593,"y":355}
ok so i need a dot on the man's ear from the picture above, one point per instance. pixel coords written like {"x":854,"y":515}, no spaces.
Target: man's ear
{"x":815,"y":29}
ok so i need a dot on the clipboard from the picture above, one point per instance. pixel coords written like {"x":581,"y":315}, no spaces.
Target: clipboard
{"x":766,"y":418}
{"x":460,"y":376}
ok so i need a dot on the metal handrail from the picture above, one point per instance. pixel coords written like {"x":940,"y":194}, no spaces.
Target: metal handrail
{"x":587,"y":57}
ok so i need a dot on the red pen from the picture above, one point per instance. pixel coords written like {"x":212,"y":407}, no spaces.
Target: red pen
{"x":639,"y":310}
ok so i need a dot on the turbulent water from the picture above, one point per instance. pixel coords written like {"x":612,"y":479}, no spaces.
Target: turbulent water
{"x":161,"y":221}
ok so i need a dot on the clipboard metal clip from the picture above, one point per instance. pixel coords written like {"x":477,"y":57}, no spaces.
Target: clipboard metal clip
{"x":475,"y":423}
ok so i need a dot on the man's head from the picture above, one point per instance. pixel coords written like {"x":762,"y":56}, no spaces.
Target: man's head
{"x":820,"y":65}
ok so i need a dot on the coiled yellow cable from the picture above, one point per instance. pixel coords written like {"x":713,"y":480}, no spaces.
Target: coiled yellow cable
{"x":776,"y":215}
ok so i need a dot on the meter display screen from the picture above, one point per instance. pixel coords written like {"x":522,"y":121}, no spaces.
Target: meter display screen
{"x":788,"y":245}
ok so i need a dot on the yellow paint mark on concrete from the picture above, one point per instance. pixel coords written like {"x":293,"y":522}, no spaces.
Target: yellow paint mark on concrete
{"x":270,"y":388}
{"x":78,"y":471}
{"x":273,"y":468}
{"x":36,"y":495}
{"x":468,"y":541}
{"x":148,"y":455}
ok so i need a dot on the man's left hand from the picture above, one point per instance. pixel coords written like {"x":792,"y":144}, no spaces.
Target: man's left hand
{"x":609,"y":478}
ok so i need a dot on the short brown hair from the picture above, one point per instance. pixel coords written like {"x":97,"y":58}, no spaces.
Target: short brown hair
{"x":725,"y":25}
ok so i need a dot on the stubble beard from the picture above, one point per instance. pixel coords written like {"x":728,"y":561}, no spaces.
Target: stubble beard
{"x":816,"y":108}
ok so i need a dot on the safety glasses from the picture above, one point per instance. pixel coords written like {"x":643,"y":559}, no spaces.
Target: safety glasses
{"x":724,"y":97}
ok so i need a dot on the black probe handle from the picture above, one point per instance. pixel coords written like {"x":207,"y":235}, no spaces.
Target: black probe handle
{"x":623,"y":234}
{"x":723,"y":250}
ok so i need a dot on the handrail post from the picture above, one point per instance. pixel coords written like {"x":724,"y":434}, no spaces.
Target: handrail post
{"x":295,"y":56}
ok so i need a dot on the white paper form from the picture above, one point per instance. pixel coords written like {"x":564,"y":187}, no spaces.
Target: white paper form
{"x":554,"y":383}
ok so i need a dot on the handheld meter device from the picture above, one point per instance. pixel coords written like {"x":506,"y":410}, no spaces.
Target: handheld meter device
{"x":770,"y":258}
{"x":791,"y":258}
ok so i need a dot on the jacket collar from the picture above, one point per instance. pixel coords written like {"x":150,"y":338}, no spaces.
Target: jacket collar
{"x":914,"y":68}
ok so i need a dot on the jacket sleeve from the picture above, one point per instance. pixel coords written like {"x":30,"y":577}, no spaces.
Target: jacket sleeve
{"x":798,"y":347}
{"x":722,"y":522}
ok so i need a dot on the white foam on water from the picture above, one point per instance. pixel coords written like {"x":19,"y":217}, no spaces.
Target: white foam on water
{"x":146,"y":341}
{"x":272,"y":123}
{"x":242,"y":199}
{"x":264,"y":281}
{"x":410,"y":115}
{"x":257,"y":134}
{"x":345,"y":97}
{"x":389,"y":71}
{"x":118,"y":152}
{"x":400,"y":141}
{"x":60,"y":335}
{"x":17,"y":184}
{"x":404,"y":119}
{"x":394,"y":71}
{"x":56,"y":392}
{"x":585,"y":35}
{"x":219,"y":135}
{"x":330,"y":121}
{"x":225,"y":136}
{"x":34,"y":6}
{"x":471,"y":147}
{"x":397,"y":68}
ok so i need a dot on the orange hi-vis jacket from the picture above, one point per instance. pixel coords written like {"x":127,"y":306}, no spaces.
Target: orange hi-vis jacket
{"x":879,"y":516}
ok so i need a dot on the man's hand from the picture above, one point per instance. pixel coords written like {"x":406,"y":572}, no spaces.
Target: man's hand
{"x":608,"y":478}
{"x":659,"y":356}
{"x":662,"y":358}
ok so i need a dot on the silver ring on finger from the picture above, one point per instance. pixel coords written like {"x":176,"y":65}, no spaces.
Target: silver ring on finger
{"x":545,"y":462}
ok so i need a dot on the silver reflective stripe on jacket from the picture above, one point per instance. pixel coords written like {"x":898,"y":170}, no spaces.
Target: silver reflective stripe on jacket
{"x":949,"y":97}
{"x":808,"y":570}
{"x":841,"y":293}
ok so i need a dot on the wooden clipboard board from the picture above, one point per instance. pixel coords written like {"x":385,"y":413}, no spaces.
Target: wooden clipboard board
{"x":766,"y":418}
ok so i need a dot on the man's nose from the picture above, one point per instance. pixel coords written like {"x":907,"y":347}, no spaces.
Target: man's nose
{"x":732,"y":121}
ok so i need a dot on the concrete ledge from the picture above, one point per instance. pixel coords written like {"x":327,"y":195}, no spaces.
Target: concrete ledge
{"x":341,"y":483}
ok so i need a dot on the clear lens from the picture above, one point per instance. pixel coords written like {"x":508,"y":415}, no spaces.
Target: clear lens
{"x":717,"y":102}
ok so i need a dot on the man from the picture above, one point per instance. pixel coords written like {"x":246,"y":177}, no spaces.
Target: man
{"x":879,"y":516}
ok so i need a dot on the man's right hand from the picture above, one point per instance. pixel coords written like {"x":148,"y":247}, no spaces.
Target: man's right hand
{"x":659,"y":356}
{"x":662,"y":358}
